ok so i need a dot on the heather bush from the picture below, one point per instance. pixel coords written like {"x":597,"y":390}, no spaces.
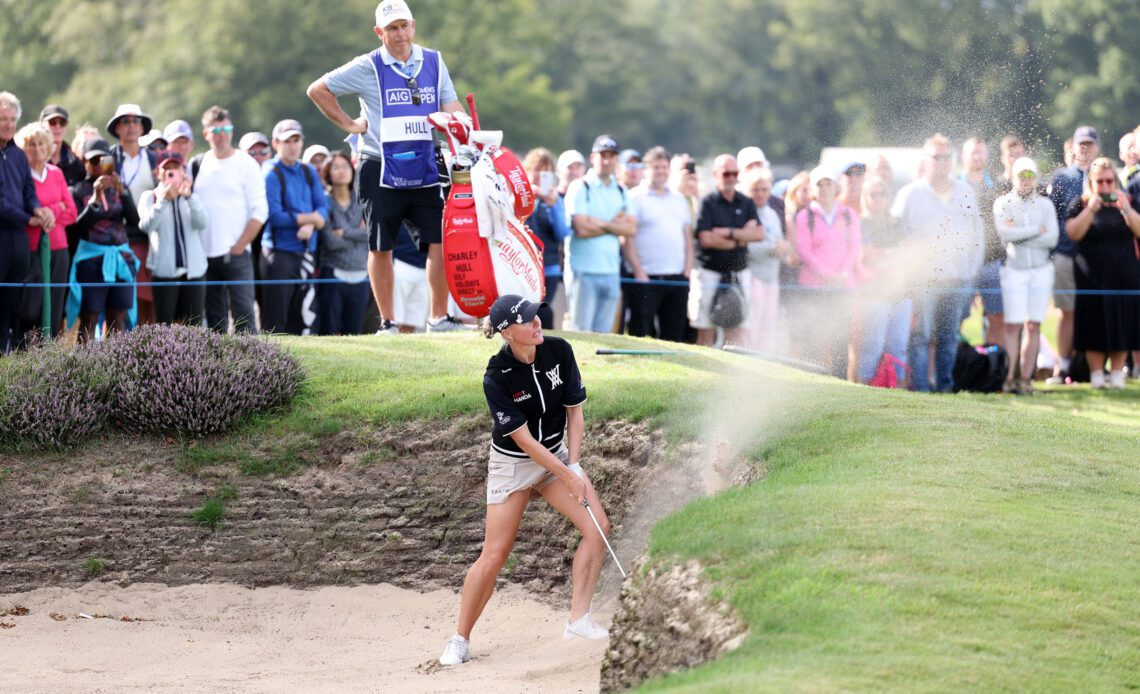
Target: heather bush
{"x":156,"y":379}
{"x":191,"y":381}
{"x":53,"y":396}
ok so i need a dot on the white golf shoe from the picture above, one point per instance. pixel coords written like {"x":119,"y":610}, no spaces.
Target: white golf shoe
{"x":456,"y":652}
{"x":585,"y":628}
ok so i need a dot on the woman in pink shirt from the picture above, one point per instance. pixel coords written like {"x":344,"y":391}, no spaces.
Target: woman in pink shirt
{"x":828,"y":243}
{"x":51,"y":189}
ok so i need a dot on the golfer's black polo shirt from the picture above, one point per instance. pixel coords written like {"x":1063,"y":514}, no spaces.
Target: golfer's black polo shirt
{"x":532,"y":395}
{"x":734,"y":214}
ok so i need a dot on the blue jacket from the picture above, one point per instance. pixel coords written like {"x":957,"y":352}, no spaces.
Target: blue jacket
{"x":1067,"y":184}
{"x":302,"y":194}
{"x":17,"y":190}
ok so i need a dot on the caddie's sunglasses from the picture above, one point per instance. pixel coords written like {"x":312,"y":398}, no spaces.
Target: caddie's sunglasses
{"x":416,"y":98}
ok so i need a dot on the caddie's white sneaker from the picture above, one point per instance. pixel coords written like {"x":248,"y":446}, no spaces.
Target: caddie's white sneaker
{"x":456,"y":652}
{"x":388,"y":327}
{"x":584,"y":628}
{"x":1096,"y":379}
{"x":1116,"y":378}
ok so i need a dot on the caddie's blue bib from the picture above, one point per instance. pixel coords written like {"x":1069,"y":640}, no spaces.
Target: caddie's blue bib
{"x":405,"y":135}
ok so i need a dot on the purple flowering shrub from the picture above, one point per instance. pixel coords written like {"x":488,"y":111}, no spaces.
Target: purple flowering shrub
{"x":156,"y":379}
{"x":52,"y":396}
{"x":191,"y":381}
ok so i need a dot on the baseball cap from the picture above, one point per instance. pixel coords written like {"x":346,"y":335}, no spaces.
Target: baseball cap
{"x":254,"y":138}
{"x":54,"y":111}
{"x":176,"y":129}
{"x":287,"y":129}
{"x":604,"y":143}
{"x":628,"y":155}
{"x":1024,"y":164}
{"x":1085,"y":133}
{"x":820,"y":173}
{"x":392,"y":11}
{"x":312,"y":151}
{"x":750,"y":156}
{"x":170,"y":157}
{"x":129,"y":110}
{"x":96,"y":147}
{"x":569,"y":158}
{"x":152,"y":137}
{"x":512,"y":308}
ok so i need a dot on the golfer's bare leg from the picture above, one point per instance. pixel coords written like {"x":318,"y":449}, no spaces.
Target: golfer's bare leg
{"x":502,"y":526}
{"x":383,"y":278}
{"x":437,"y":281}
{"x":591,"y":552}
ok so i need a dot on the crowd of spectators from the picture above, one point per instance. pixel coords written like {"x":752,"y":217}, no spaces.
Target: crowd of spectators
{"x":855,"y":268}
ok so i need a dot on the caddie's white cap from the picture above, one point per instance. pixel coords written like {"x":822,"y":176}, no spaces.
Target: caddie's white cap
{"x":392,"y":11}
{"x":1024,"y":164}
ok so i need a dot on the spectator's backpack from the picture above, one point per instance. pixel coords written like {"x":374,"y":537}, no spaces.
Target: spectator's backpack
{"x":980,"y":369}
{"x":887,"y":375}
{"x":728,"y":303}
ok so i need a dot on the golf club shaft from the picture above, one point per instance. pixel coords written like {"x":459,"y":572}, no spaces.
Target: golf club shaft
{"x":599,"y":527}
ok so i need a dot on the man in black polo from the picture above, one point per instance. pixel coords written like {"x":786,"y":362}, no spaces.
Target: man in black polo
{"x":726,"y":224}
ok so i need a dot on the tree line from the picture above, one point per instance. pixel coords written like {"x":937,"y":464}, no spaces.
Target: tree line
{"x":700,"y":76}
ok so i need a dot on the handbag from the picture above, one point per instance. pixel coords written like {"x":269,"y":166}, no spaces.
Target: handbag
{"x":729,"y":303}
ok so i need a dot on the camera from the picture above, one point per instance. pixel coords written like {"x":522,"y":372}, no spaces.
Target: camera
{"x":691,"y":167}
{"x":1108,"y":197}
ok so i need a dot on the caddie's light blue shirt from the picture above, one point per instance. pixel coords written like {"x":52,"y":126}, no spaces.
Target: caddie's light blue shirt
{"x":590,"y":196}
{"x":358,"y":78}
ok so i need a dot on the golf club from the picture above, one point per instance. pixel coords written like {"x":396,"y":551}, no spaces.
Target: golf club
{"x":599,"y":527}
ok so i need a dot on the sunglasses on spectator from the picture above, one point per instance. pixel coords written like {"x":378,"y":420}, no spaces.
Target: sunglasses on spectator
{"x":131,"y":120}
{"x":1106,"y":181}
{"x":259,"y":152}
{"x":57,"y":122}
{"x":940,"y":157}
{"x":219,"y":129}
{"x":1026,"y":174}
{"x":635,"y":166}
{"x":416,"y":98}
{"x":729,"y":174}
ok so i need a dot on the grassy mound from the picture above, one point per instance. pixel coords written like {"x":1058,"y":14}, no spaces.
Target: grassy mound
{"x":898,"y":542}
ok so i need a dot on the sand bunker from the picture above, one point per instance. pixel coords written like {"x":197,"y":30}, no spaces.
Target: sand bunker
{"x":227,"y":638}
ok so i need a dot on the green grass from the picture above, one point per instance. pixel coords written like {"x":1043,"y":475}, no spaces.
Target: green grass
{"x":363,"y":381}
{"x":898,"y":542}
{"x":930,"y":543}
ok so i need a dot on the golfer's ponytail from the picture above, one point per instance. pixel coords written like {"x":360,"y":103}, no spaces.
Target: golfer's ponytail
{"x":488,"y":331}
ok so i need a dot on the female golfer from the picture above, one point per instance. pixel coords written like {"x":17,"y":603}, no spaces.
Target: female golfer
{"x":535,"y":394}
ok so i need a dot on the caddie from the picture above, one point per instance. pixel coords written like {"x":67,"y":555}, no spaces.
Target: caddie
{"x":399,"y":84}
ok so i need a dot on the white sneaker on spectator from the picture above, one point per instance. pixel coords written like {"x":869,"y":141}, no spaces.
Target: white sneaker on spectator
{"x":1060,"y":379}
{"x":1116,"y":378}
{"x":1136,"y":372}
{"x":456,"y":652}
{"x":444,"y":325}
{"x":388,"y":327}
{"x":1096,"y":379}
{"x":584,"y":628}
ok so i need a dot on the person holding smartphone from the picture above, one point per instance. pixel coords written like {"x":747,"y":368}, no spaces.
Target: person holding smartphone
{"x":1104,"y":224}
{"x":104,"y":270}
{"x":549,"y":222}
{"x":174,"y":219}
